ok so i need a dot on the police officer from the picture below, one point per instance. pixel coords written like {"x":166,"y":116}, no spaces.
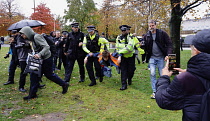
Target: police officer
{"x":73,"y":51}
{"x":137,"y":45}
{"x":125,"y":47}
{"x":93,"y":43}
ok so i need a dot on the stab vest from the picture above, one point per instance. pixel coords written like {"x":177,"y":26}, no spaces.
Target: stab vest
{"x":92,"y":45}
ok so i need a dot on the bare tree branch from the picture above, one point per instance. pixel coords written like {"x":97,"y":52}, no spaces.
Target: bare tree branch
{"x":191,"y":6}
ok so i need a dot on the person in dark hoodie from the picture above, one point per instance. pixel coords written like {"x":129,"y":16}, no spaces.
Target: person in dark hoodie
{"x":186,"y":90}
{"x":42,"y":49}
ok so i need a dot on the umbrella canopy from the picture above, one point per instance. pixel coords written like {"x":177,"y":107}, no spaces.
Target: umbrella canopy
{"x":23,"y":23}
{"x":188,"y":39}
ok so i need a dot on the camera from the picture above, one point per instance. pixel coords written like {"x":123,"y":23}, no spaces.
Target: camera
{"x":7,"y":56}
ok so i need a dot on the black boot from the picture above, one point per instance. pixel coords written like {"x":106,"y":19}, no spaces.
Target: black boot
{"x":30,"y":97}
{"x":124,"y":85}
{"x":129,"y":82}
{"x":65,"y":88}
{"x":42,"y":86}
{"x":92,"y":83}
{"x":81,"y":80}
{"x":22,"y":90}
{"x":101,"y":79}
{"x":9,"y":82}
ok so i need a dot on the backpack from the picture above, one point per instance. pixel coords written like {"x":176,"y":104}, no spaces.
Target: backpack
{"x":51,"y":43}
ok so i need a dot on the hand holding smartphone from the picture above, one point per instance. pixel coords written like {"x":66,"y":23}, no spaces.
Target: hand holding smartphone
{"x":172,"y":63}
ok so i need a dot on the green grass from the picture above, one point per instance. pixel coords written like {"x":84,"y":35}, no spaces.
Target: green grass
{"x":103,"y":102}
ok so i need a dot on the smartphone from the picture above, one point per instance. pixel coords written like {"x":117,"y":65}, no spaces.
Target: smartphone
{"x":172,"y":64}
{"x":172,"y":61}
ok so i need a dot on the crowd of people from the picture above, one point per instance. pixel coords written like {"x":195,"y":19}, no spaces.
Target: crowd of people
{"x":92,"y":51}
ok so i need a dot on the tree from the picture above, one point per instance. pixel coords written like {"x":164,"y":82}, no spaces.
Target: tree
{"x":81,"y":11}
{"x":177,"y":12}
{"x":135,"y":13}
{"x":43,"y":14}
{"x":8,"y":15}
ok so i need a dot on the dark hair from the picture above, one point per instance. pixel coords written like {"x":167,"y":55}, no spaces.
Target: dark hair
{"x":105,"y":53}
{"x":153,"y":22}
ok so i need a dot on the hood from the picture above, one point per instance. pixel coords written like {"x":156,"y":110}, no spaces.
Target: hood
{"x":28,"y":31}
{"x":199,"y":65}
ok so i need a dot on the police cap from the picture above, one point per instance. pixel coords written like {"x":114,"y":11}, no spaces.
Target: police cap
{"x":75,"y":25}
{"x":91,"y":28}
{"x":65,"y":32}
{"x":123,"y":27}
{"x":129,"y":27}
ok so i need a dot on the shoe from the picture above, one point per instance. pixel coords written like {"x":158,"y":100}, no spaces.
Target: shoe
{"x":123,"y":88}
{"x":30,"y":97}
{"x":22,"y":90}
{"x":101,"y":79}
{"x":65,"y":88}
{"x":9,"y":82}
{"x":81,"y":80}
{"x":153,"y":95}
{"x":92,"y":84}
{"x":129,"y":82}
{"x":42,"y":86}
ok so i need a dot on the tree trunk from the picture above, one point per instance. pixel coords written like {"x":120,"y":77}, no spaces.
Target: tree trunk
{"x":174,"y":24}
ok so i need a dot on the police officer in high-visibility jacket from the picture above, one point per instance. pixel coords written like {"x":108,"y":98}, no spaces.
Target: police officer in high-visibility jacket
{"x":125,"y":47}
{"x":137,"y":45}
{"x":93,"y":43}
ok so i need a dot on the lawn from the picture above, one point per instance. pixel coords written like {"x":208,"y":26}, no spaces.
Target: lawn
{"x":103,"y":102}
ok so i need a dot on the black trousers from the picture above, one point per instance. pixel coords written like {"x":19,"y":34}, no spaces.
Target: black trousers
{"x":47,"y":70}
{"x":127,"y":69}
{"x":89,"y":67}
{"x":62,"y":60}
{"x":22,"y":80}
{"x":12,"y":67}
{"x":70,"y":65}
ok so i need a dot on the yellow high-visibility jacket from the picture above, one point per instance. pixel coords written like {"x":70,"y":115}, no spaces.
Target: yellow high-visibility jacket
{"x":101,"y":43}
{"x":125,"y":48}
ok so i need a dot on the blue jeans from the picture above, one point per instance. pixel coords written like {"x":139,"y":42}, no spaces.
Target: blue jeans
{"x":153,"y":63}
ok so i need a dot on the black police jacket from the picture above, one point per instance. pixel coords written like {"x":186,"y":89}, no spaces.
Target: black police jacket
{"x":72,"y":45}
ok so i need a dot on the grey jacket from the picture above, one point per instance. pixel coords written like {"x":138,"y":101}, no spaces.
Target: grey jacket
{"x":40,"y":45}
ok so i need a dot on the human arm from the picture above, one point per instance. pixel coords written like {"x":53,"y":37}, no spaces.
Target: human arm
{"x":41,"y":44}
{"x":169,"y":95}
{"x":129,"y":48}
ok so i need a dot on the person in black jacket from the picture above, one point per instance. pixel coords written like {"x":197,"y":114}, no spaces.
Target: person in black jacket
{"x":157,"y":46}
{"x":14,"y":63}
{"x":186,"y":90}
{"x":23,"y":48}
{"x":73,"y":51}
{"x":61,"y":45}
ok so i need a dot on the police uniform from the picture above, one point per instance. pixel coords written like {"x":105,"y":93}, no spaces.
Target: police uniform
{"x":75,"y":52}
{"x":125,"y":47}
{"x":93,"y":44}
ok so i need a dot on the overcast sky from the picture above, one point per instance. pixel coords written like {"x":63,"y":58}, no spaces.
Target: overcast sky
{"x":57,"y":6}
